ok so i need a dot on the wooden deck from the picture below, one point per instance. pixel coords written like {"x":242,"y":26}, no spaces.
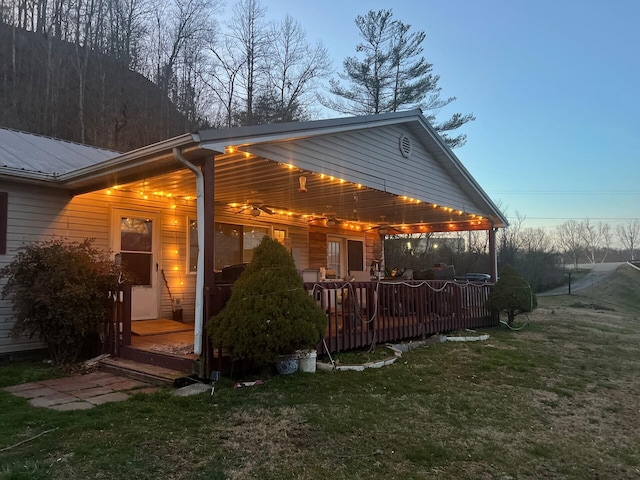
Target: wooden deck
{"x":162,"y":342}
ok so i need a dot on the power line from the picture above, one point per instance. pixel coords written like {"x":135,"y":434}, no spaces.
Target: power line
{"x":565,"y":192}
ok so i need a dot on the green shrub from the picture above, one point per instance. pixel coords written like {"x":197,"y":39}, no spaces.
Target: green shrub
{"x":269,"y":312}
{"x":59,"y":292}
{"x":512,"y":294}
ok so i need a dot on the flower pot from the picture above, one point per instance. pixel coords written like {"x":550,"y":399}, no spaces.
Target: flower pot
{"x":307,"y":361}
{"x":287,"y":364}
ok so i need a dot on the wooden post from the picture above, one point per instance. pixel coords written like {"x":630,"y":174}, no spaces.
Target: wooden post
{"x":208,"y":172}
{"x":493,"y":255}
{"x":209,"y":223}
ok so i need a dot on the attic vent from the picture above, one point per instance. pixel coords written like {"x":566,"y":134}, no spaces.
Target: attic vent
{"x":405,"y":146}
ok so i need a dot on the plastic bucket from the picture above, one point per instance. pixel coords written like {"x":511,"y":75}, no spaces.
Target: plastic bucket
{"x":307,"y":361}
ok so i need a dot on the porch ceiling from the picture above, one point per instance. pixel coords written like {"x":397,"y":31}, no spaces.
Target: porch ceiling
{"x":241,"y":178}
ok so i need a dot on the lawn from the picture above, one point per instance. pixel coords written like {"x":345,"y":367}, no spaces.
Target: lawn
{"x":557,"y":399}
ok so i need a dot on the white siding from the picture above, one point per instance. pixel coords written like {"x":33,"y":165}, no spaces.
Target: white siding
{"x":375,"y":160}
{"x":37,"y":214}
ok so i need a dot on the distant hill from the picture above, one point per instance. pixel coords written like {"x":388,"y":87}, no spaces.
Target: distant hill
{"x":41,"y":80}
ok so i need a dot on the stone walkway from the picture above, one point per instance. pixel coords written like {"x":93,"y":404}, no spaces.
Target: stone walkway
{"x":79,"y":392}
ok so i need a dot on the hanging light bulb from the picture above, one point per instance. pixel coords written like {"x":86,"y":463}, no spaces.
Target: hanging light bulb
{"x":303,"y":183}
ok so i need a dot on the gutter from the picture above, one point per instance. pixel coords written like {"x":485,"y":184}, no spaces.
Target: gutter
{"x":198,"y":326}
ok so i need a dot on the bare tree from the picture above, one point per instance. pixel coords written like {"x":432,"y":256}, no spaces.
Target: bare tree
{"x":629,"y":235}
{"x":535,"y":240}
{"x":249,"y":34}
{"x":570,"y":239}
{"x":181,"y":31}
{"x":595,"y":237}
{"x":294,"y":68}
{"x":222,"y":77}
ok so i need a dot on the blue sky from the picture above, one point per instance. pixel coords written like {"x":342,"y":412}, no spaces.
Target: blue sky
{"x":553,"y":85}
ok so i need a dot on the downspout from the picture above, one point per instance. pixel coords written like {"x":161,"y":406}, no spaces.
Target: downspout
{"x":198,"y":326}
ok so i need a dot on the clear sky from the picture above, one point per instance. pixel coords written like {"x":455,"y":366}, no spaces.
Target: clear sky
{"x":553,"y":85}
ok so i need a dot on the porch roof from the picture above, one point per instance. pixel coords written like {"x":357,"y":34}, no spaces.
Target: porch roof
{"x":367,"y":171}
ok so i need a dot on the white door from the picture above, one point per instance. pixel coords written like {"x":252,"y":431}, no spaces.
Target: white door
{"x":136,"y":239}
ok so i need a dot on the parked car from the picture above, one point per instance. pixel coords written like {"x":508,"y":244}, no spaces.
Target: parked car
{"x":474,"y":277}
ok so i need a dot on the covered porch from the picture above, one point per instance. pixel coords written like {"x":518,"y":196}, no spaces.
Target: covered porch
{"x":331,"y":191}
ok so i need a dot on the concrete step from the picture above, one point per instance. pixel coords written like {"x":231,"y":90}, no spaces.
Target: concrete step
{"x":140,"y":371}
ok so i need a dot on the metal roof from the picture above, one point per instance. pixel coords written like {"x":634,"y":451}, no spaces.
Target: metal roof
{"x":45,"y":156}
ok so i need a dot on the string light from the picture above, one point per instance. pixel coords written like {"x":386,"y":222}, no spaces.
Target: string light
{"x":475,"y":221}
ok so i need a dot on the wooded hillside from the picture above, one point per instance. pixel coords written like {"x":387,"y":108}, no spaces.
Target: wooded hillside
{"x":59,"y":89}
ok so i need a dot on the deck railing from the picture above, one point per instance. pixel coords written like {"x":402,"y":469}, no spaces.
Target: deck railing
{"x":117,"y":325}
{"x":362,"y":313}
{"x":358,"y":313}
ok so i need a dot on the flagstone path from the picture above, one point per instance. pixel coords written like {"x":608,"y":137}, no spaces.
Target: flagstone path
{"x":79,"y":392}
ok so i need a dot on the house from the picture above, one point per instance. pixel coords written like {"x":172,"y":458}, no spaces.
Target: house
{"x":330,"y":190}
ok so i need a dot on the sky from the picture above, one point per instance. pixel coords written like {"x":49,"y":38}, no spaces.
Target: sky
{"x":553,"y":85}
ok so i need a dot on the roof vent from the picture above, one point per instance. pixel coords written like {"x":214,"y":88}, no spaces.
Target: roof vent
{"x":405,"y":146}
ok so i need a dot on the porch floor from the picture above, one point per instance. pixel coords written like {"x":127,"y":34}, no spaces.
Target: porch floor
{"x":163,"y":336}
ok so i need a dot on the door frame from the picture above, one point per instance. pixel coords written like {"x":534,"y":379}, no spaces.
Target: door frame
{"x":152,"y":309}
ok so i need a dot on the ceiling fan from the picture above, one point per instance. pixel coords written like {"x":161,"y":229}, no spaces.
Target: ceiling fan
{"x":385,"y":228}
{"x":331,"y":219}
{"x":256,"y":207}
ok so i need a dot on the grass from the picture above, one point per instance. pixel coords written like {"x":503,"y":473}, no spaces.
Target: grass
{"x":555,"y":400}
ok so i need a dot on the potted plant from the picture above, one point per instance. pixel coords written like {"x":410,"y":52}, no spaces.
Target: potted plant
{"x":269,"y":313}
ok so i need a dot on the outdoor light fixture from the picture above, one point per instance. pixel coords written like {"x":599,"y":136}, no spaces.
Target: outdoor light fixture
{"x":331,"y":222}
{"x":303,"y":184}
{"x":255,"y":212}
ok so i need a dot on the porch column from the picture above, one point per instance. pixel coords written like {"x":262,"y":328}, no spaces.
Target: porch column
{"x":208,"y":229}
{"x":493,"y":255}
{"x":208,"y":171}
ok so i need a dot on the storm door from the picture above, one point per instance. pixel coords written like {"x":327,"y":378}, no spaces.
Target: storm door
{"x":136,"y":240}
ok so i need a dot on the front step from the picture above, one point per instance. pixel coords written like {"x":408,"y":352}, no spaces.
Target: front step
{"x":152,"y":374}
{"x":186,"y":364}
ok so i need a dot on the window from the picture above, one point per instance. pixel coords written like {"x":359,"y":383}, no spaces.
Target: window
{"x":334,"y":256}
{"x":251,"y":238}
{"x":345,"y":255}
{"x":280,"y":235}
{"x":135,"y":246}
{"x":355,"y":255}
{"x":234,"y":244}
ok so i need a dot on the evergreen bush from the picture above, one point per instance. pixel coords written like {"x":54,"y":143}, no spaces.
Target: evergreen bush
{"x":269,"y":312}
{"x":59,"y":292}
{"x":512,"y":295}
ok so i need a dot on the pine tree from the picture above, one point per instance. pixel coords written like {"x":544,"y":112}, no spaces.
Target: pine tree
{"x":512,"y":295}
{"x":392,"y":76}
{"x":269,"y":312}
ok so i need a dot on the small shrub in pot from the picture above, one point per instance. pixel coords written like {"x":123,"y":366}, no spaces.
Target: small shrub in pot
{"x":269,"y":312}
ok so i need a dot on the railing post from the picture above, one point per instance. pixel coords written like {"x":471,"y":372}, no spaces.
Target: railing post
{"x":125,"y":329}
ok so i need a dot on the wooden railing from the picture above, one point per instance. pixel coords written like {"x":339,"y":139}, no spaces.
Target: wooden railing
{"x":363,"y":313}
{"x":117,"y":327}
{"x":359,"y":314}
